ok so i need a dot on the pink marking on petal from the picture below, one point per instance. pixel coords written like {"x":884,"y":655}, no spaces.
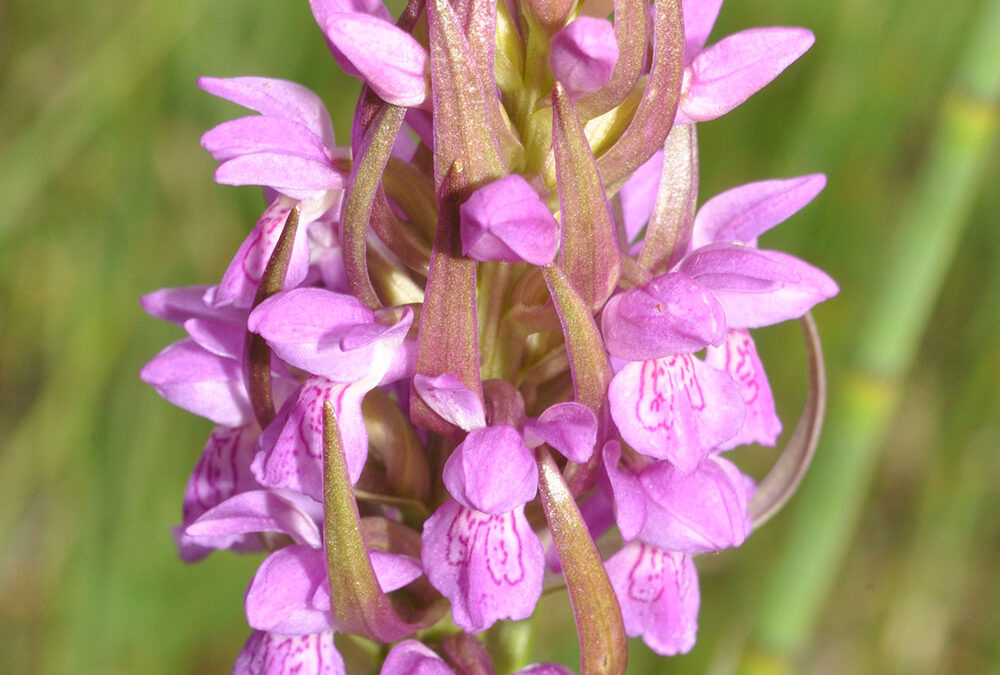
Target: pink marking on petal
{"x":661,"y":382}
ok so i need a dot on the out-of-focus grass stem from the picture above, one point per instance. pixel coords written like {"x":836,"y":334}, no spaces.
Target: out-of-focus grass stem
{"x":897,"y":311}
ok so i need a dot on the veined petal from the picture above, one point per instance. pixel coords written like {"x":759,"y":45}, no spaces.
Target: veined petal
{"x":489,"y":567}
{"x":277,"y":98}
{"x":675,"y":408}
{"x":223,"y":470}
{"x":280,"y":597}
{"x":200,"y":382}
{"x":272,"y":654}
{"x":742,"y":214}
{"x":738,"y":357}
{"x":583,"y":54}
{"x":291,"y":454}
{"x":659,"y":596}
{"x":629,"y":499}
{"x":389,"y":59}
{"x":239,"y":284}
{"x":507,"y":220}
{"x":670,"y":315}
{"x":492,"y":471}
{"x":697,"y":513}
{"x":412,"y":657}
{"x":738,"y":66}
{"x":250,"y":135}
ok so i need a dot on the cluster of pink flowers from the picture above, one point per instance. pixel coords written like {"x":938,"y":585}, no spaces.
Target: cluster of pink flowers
{"x":453,"y":355}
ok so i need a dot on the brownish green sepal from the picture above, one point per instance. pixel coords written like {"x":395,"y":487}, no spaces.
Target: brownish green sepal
{"x":257,"y":359}
{"x":669,"y":229}
{"x":448,"y":341}
{"x":362,"y":193}
{"x":356,"y":599}
{"x":462,"y":118}
{"x":655,"y":114}
{"x":603,"y":648}
{"x":589,"y":251}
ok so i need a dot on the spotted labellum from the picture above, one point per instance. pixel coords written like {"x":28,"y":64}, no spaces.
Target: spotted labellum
{"x":489,"y":346}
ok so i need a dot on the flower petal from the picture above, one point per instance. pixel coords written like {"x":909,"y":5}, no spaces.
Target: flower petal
{"x":492,"y":471}
{"x":670,"y":315}
{"x":280,"y":596}
{"x":412,"y":657}
{"x":742,"y":214}
{"x":738,"y":357}
{"x":489,"y":567}
{"x":281,"y":511}
{"x":507,"y":220}
{"x":276,"y":98}
{"x":452,"y":400}
{"x":570,"y":428}
{"x":659,"y":597}
{"x":675,"y":408}
{"x":273,"y":654}
{"x":200,"y":382}
{"x":698,"y":513}
{"x":583,"y":54}
{"x":389,"y":59}
{"x":738,"y":66}
{"x":638,"y":195}
{"x":297,"y":177}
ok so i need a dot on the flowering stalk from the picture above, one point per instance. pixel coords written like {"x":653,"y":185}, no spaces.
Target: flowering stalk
{"x":452,"y":359}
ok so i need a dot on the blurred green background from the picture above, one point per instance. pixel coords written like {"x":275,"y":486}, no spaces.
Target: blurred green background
{"x":885,"y":561}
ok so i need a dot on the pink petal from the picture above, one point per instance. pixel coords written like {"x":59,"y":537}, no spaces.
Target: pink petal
{"x":544,"y":669}
{"x":200,"y":382}
{"x":254,"y":511}
{"x":390,"y":60}
{"x":276,"y":98}
{"x":297,"y":177}
{"x":177,"y":305}
{"x":629,"y":499}
{"x":699,"y":18}
{"x":570,"y":428}
{"x":583,"y":54}
{"x":411,"y":657}
{"x":492,"y":471}
{"x":671,"y":314}
{"x":733,"y":69}
{"x":239,"y":284}
{"x":697,"y":513}
{"x":489,"y":567}
{"x":659,"y":597}
{"x":738,"y":357}
{"x":758,"y":288}
{"x":251,"y":135}
{"x":742,"y":214}
{"x":280,"y":596}
{"x":323,"y":9}
{"x":507,"y":220}
{"x":273,"y":654}
{"x":452,"y":400}
{"x":675,"y":408}
{"x":223,"y":470}
{"x":220,"y":338}
{"x":394,"y":571}
{"x":291,"y":454}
